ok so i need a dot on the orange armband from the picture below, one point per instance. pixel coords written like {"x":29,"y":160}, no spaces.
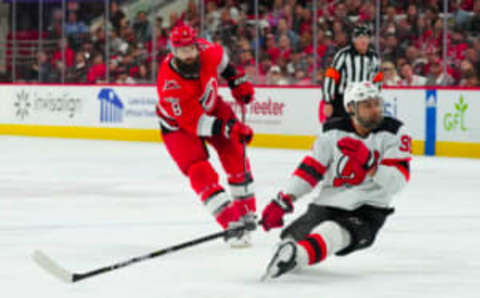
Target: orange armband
{"x":333,"y":74}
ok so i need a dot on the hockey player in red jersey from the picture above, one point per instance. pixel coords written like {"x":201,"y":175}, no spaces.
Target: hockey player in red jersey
{"x":192,"y":113}
{"x":363,"y":161}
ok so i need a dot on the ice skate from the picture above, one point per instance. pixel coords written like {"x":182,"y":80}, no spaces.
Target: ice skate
{"x":241,"y":238}
{"x":284,"y":260}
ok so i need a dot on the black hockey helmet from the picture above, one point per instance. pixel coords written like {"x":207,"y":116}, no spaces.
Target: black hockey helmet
{"x":362,"y":29}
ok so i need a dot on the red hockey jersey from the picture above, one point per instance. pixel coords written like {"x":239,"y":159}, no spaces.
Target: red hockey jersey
{"x":190,"y":103}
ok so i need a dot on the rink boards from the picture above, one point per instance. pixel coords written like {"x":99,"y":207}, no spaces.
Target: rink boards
{"x":441,"y":121}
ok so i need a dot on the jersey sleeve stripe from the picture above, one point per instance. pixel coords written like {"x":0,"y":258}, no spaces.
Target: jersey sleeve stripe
{"x":403,"y":165}
{"x":326,"y":89}
{"x":310,"y":170}
{"x":313,"y":163}
{"x":223,"y":63}
{"x":205,"y":125}
{"x":300,"y":173}
{"x":165,"y":120}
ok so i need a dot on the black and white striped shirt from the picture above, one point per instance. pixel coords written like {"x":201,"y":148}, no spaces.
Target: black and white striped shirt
{"x":350,"y":66}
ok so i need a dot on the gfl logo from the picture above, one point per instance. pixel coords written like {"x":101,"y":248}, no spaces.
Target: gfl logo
{"x":456,"y":119}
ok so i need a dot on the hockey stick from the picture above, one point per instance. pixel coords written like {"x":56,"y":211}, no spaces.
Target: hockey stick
{"x":49,"y":265}
{"x":244,"y":144}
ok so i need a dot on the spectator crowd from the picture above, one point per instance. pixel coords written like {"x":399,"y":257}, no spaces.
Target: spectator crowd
{"x":410,"y":43}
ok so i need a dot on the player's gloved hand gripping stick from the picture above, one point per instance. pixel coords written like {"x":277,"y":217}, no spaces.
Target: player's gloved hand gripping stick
{"x":272,"y":216}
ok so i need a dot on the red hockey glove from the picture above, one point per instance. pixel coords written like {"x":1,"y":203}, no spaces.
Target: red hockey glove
{"x":237,"y":131}
{"x":242,"y":89}
{"x":272,"y":215}
{"x":356,"y":150}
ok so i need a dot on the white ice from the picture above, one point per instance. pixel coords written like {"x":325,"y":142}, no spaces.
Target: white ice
{"x":92,"y":203}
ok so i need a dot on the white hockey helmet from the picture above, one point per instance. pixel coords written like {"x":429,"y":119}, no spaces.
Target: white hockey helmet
{"x":360,"y":91}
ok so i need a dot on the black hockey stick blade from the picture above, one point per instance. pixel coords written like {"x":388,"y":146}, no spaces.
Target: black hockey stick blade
{"x":50,"y":266}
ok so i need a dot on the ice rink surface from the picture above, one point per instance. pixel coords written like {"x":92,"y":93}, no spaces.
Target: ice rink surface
{"x":92,"y":203}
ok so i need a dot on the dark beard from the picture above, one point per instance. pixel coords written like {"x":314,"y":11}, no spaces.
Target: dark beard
{"x":370,"y":125}
{"x":188,"y":70}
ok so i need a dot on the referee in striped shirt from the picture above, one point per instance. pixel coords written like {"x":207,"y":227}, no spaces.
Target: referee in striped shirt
{"x":353,"y":63}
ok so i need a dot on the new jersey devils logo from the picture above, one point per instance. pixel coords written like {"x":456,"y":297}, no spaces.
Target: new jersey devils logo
{"x":349,"y":173}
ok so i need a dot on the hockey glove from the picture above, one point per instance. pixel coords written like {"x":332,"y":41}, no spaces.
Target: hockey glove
{"x":272,"y":215}
{"x":237,"y":131}
{"x":356,"y":150}
{"x":242,"y":89}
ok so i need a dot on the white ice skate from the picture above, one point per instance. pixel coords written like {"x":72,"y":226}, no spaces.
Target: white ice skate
{"x":243,"y":237}
{"x":284,"y":260}
{"x":241,"y":241}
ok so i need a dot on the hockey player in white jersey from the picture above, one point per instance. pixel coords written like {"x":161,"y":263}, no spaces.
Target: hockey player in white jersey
{"x":362,"y":161}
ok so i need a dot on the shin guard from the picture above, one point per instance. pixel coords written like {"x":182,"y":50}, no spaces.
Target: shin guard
{"x":204,"y":181}
{"x":241,"y":188}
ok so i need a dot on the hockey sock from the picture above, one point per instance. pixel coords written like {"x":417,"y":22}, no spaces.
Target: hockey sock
{"x":241,"y":188}
{"x":315,"y":247}
{"x":204,"y":181}
{"x":326,"y":239}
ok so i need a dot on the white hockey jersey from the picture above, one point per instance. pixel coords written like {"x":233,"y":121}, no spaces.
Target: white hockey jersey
{"x":342,"y":186}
